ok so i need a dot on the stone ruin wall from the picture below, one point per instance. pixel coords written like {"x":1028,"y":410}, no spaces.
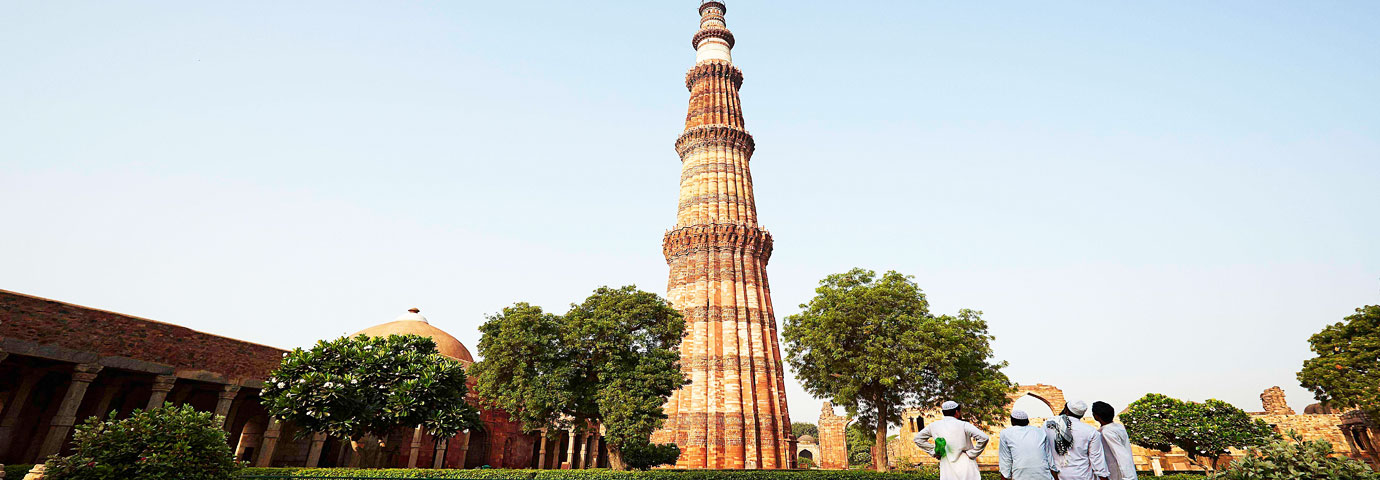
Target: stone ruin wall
{"x":833,"y":441}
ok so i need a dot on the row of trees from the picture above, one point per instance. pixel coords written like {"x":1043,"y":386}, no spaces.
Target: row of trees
{"x":608,"y":362}
{"x":866,"y":342}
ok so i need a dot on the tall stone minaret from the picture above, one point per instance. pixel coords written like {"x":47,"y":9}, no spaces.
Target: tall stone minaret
{"x":733,"y":413}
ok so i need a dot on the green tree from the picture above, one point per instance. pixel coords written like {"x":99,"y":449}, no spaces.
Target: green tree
{"x":860,"y":442}
{"x":871,"y":344}
{"x":526,"y":368}
{"x":1346,"y":369}
{"x":612,"y":361}
{"x":357,"y":387}
{"x":1293,"y":459}
{"x":167,"y":443}
{"x":800,"y":429}
{"x":1205,"y":431}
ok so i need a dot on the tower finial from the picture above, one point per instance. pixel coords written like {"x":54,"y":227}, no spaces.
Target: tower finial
{"x":713,"y":41}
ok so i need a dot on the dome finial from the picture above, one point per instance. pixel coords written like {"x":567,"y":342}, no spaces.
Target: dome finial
{"x":415,"y":310}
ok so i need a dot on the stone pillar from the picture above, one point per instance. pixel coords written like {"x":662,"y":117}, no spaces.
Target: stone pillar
{"x":14,"y":407}
{"x":107,"y":395}
{"x":227,"y":397}
{"x":584,"y":447}
{"x":67,"y":410}
{"x":318,"y":440}
{"x":416,"y":447}
{"x":465,"y":448}
{"x":541,"y":451}
{"x":439,"y":454}
{"x":269,"y":442}
{"x":569,"y":450}
{"x":161,"y":386}
{"x":593,"y":457}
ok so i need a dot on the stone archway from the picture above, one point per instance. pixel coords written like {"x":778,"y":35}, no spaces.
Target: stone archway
{"x":1050,"y":395}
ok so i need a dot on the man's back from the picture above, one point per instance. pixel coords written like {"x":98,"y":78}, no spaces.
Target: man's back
{"x":1117,"y":449}
{"x":1025,"y":454}
{"x":1084,"y":459}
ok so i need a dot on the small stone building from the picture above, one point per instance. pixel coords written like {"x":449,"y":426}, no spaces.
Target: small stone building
{"x":61,"y":363}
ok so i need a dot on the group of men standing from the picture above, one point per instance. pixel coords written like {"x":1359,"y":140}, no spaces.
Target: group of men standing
{"x":1065,"y":448}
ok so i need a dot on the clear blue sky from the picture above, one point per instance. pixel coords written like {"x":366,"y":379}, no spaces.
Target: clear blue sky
{"x":1142,"y":196}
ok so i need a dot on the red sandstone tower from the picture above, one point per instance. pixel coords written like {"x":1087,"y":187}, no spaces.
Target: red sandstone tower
{"x":733,"y":413}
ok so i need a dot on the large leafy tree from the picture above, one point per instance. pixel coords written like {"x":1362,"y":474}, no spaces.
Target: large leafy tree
{"x":800,"y":429}
{"x":1346,"y":369}
{"x":612,"y":361}
{"x":526,"y":367}
{"x":871,"y":344}
{"x":354,"y":387}
{"x":1205,"y":431}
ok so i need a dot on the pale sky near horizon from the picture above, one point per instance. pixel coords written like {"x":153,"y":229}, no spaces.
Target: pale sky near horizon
{"x":1141,"y":196}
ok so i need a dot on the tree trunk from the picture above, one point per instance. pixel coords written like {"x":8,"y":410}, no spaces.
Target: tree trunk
{"x":879,"y":462}
{"x":366,"y":452}
{"x":616,"y":458}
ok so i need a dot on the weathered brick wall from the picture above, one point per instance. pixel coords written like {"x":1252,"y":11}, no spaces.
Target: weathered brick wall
{"x":833,"y":441}
{"x":50,"y":322}
{"x":1274,"y":402}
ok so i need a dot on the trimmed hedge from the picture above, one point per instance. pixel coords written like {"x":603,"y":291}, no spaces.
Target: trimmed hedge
{"x":603,"y":474}
{"x":16,"y":472}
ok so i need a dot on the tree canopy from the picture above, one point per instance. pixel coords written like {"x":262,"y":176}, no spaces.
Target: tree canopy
{"x":871,"y":344}
{"x":1346,"y":369}
{"x":353,"y":387}
{"x":610,"y":361}
{"x":800,"y":429}
{"x":1205,"y":431}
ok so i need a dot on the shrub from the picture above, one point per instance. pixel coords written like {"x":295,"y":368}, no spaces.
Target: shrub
{"x":168,"y":443}
{"x":648,"y":455}
{"x":1293,"y":459}
{"x":16,"y":472}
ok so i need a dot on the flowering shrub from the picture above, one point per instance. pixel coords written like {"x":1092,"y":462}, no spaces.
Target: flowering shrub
{"x":168,"y":443}
{"x":351,"y":387}
{"x":1205,"y":431}
{"x":1295,"y":459}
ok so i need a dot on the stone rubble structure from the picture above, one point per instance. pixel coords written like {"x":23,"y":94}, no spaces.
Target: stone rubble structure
{"x":833,"y":439}
{"x":61,"y":363}
{"x":1350,"y":434}
{"x":733,"y":413}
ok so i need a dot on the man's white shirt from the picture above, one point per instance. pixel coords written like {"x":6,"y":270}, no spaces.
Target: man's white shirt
{"x":1117,"y":448}
{"x":1084,"y":459}
{"x":963,"y":444}
{"x":1025,"y":453}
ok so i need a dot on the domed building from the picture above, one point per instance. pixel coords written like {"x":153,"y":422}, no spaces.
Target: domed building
{"x":413,"y":323}
{"x":498,"y":443}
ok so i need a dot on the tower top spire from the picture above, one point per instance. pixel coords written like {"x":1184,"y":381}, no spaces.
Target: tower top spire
{"x":713,"y":41}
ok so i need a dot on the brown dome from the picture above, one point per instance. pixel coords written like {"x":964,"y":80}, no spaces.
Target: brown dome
{"x":806,"y":439}
{"x":414,"y":324}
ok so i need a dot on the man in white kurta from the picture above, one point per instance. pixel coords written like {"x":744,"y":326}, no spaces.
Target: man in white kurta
{"x":1077,"y":445}
{"x":1116,"y":443}
{"x":963,"y":442}
{"x":1024,"y":452}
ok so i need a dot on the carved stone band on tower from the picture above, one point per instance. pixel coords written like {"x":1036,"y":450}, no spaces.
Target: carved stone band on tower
{"x":733,"y":413}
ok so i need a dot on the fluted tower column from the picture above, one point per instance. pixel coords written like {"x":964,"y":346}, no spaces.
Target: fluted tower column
{"x":733,"y":413}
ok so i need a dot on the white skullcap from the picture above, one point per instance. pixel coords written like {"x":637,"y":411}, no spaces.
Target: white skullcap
{"x":949,"y":405}
{"x":1078,"y":407}
{"x":1019,"y":415}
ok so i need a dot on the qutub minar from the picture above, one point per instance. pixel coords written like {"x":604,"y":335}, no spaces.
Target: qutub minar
{"x":733,"y":413}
